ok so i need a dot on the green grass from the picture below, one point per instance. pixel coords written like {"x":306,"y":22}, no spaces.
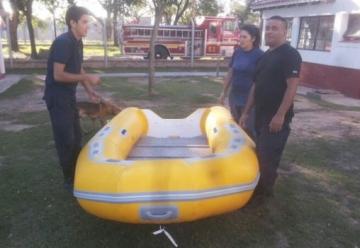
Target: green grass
{"x":316,"y":204}
{"x":115,"y":70}
{"x":173,"y":98}
{"x":22,"y":87}
{"x":98,"y":50}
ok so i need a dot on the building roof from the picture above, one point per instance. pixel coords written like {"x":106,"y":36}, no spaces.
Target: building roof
{"x":269,"y":4}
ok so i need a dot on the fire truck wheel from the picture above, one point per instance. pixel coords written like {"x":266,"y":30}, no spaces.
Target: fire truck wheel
{"x":161,"y":52}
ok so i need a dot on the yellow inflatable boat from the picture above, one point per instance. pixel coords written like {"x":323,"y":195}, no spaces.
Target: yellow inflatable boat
{"x":140,"y":168}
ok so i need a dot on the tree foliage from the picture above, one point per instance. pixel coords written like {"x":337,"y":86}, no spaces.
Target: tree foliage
{"x":174,"y":12}
{"x":200,"y":8}
{"x":115,"y":8}
{"x":208,"y":8}
{"x":243,"y":12}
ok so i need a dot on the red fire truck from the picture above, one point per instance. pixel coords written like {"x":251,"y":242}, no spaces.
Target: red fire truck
{"x":215,"y":36}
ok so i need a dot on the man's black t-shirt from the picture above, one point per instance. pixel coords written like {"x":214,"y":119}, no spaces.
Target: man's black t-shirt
{"x":271,"y":73}
{"x":68,"y":51}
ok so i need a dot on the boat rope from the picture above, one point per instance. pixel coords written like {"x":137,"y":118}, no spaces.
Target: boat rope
{"x":167,"y":234}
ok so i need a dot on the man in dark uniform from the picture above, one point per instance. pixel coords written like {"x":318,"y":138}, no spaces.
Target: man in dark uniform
{"x":275,"y":83}
{"x":64,"y":72}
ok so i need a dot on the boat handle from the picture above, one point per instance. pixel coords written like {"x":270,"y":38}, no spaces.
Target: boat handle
{"x":164,"y":215}
{"x":159,"y":213}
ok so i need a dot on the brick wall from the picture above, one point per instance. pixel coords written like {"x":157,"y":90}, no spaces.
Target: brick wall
{"x":341,"y":79}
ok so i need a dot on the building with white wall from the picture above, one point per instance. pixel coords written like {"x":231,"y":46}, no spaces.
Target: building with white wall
{"x":327,"y":35}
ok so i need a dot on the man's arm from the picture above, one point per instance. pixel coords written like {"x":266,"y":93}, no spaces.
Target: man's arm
{"x":62,"y":76}
{"x":66,"y":77}
{"x":226,"y":86}
{"x":88,"y":86}
{"x":278,"y":120}
{"x":248,"y":106}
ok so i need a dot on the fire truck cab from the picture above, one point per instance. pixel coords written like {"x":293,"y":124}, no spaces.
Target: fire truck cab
{"x":214,"y":36}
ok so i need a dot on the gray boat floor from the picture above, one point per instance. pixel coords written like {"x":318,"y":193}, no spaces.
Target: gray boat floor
{"x":171,"y":147}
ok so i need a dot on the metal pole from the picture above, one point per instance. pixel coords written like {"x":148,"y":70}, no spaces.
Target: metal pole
{"x":105,"y":44}
{"x":9,"y":41}
{"x":192,"y":41}
{"x":2,"y":64}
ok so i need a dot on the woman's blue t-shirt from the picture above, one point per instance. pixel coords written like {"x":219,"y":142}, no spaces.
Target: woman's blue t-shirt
{"x":243,"y":64}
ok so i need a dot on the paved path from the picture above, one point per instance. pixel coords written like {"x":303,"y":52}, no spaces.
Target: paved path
{"x":8,"y":81}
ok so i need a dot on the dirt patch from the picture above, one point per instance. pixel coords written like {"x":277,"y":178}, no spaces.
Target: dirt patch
{"x":30,"y":102}
{"x":143,"y":104}
{"x":13,"y":127}
{"x":219,"y":80}
{"x":314,"y":121}
{"x":296,"y":169}
{"x":33,"y":102}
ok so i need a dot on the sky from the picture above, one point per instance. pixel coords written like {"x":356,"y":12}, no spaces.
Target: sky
{"x":42,"y":13}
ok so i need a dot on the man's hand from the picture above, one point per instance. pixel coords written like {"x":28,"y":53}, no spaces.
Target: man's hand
{"x":243,"y":120}
{"x":93,"y":79}
{"x":94,"y":96}
{"x":276,"y":123}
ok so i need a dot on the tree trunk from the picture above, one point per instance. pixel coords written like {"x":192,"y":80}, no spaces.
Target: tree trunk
{"x":54,"y":22}
{"x":13,"y":23}
{"x":158,"y":12}
{"x":108,"y":25}
{"x":115,"y":26}
{"x":167,"y":18}
{"x":28,"y":15}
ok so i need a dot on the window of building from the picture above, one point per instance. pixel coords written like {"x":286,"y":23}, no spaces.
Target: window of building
{"x":198,"y":34}
{"x":352,"y":32}
{"x":229,"y":25}
{"x":316,"y":33}
{"x":212,"y":29}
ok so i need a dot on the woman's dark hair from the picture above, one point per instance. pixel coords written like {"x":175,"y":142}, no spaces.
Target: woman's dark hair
{"x":254,"y":32}
{"x":75,"y":13}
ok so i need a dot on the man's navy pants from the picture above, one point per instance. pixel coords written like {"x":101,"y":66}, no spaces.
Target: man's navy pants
{"x":269,"y":149}
{"x":67,"y":133}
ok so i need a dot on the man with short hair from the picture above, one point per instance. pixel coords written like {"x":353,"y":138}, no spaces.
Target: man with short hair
{"x":275,"y":84}
{"x":64,"y":72}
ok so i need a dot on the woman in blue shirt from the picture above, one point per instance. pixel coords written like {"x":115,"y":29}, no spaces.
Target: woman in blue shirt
{"x":241,"y":72}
